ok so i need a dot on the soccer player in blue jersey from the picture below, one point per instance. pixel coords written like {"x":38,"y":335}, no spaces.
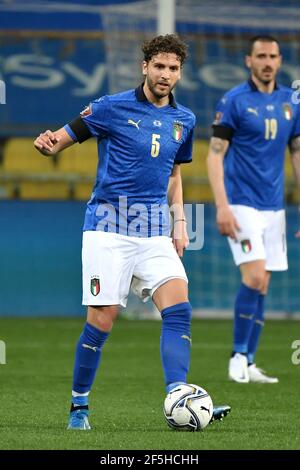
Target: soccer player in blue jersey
{"x":254,"y":123}
{"x":143,"y":137}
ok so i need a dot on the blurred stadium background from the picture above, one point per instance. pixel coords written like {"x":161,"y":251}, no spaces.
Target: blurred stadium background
{"x":57,"y":56}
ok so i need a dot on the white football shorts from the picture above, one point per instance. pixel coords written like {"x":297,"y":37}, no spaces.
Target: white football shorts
{"x":114,"y":263}
{"x":262,"y":237}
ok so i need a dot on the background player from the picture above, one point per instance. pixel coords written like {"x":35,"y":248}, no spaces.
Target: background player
{"x":143,"y":137}
{"x":254,"y":123}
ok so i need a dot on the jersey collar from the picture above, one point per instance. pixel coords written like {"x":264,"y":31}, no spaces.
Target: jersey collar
{"x":254,"y":87}
{"x":140,"y":96}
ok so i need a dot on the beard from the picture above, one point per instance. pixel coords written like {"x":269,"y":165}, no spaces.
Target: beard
{"x":263,"y":80}
{"x":267,"y":81}
{"x":155,"y":92}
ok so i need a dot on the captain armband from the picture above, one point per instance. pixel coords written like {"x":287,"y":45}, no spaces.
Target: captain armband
{"x":222,"y":132}
{"x":80,"y":129}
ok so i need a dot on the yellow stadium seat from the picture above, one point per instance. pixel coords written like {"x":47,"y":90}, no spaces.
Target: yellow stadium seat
{"x":83,"y":191}
{"x":289,"y":173}
{"x":82,"y":159}
{"x":200,"y":151}
{"x":44,"y":190}
{"x":194,"y":175}
{"x":8,"y":190}
{"x":22,"y":160}
{"x":198,"y":192}
{"x":20,"y":156}
{"x":197,"y":168}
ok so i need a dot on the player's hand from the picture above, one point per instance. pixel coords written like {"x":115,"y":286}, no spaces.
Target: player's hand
{"x":180,"y":237}
{"x":297,"y":234}
{"x":227,"y":223}
{"x":45,"y":142}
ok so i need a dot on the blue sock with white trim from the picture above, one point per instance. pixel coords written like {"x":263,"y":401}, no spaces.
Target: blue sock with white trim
{"x":256,"y":329}
{"x":87,"y":359}
{"x":175,"y":343}
{"x":245,"y":310}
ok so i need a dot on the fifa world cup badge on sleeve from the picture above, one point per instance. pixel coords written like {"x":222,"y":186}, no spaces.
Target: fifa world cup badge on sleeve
{"x":95,"y":285}
{"x":218,"y":117}
{"x":87,"y":111}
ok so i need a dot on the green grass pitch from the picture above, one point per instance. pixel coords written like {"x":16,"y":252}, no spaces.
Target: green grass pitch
{"x":126,"y":401}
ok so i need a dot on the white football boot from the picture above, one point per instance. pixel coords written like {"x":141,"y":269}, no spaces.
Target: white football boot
{"x":238,"y":368}
{"x":258,"y":375}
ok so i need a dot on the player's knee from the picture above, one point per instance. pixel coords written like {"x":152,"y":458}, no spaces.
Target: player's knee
{"x":256,"y":280}
{"x":102,"y":317}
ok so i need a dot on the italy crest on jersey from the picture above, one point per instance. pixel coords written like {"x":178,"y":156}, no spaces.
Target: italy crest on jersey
{"x":95,"y":285}
{"x":287,"y":111}
{"x":177,"y":130}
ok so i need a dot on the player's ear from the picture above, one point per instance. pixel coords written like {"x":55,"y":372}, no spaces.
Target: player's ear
{"x":144,"y":67}
{"x":248,"y":61}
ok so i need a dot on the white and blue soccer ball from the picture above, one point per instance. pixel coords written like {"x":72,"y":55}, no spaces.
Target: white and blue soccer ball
{"x":188,"y":407}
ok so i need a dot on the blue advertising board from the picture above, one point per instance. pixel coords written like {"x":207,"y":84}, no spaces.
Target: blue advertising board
{"x":49,"y":81}
{"x":55,"y":57}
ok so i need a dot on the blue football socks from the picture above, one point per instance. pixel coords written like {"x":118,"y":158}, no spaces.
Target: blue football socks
{"x":245,"y":311}
{"x":175,"y":343}
{"x":87,"y":358}
{"x":256,"y":329}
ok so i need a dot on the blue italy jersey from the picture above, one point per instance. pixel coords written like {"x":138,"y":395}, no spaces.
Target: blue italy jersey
{"x":138,"y":145}
{"x":259,"y":127}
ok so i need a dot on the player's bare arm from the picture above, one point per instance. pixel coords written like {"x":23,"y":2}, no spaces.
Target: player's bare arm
{"x":226,"y":221}
{"x":50,"y":142}
{"x":295,"y":156}
{"x":175,"y":197}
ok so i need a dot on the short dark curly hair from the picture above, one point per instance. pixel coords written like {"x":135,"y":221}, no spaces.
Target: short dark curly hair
{"x":262,"y":38}
{"x":170,"y":43}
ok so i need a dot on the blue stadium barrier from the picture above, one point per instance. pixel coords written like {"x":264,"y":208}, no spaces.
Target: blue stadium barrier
{"x":40,"y":267}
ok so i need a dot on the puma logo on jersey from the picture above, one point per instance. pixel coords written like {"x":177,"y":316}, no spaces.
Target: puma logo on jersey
{"x":136,"y":124}
{"x":87,"y":346}
{"x":253,"y":110}
{"x":186,"y":337}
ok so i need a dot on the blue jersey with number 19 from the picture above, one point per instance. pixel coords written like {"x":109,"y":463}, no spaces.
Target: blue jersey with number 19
{"x":259,"y":127}
{"x":138,"y":145}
